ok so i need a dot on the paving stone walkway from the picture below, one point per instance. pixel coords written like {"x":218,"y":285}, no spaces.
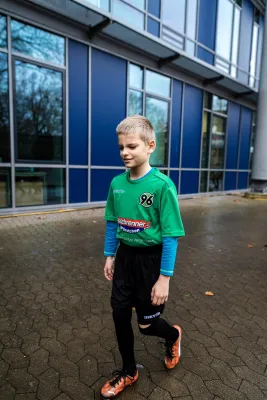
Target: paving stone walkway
{"x":56,"y":331}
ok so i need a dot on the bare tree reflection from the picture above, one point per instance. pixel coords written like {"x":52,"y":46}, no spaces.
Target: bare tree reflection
{"x":4,"y":110}
{"x":3,"y":31}
{"x":39,"y":113}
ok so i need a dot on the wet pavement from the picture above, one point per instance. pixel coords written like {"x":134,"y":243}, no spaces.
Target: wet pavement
{"x":56,"y":331}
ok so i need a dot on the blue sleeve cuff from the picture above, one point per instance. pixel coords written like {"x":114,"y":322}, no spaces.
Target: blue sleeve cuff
{"x":111,"y":242}
{"x":170,"y":246}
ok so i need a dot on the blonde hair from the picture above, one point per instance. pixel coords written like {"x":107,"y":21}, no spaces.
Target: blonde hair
{"x":137,"y":124}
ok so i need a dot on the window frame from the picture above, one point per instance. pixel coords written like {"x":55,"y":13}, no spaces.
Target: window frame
{"x":64,"y":111}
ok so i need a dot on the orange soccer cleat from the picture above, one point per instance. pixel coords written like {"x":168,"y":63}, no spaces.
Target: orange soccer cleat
{"x":116,"y":385}
{"x":173,"y":350}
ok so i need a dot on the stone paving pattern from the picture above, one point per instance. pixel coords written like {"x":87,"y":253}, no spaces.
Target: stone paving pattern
{"x":56,"y":331}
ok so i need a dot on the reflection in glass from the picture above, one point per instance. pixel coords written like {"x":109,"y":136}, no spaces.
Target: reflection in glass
{"x":5,"y":187}
{"x":135,"y":103}
{"x":4,"y":110}
{"x":191,"y":18}
{"x":190,"y":48}
{"x":101,"y":4}
{"x":203,"y":181}
{"x":208,"y":101}
{"x":38,"y":113}
{"x":235,"y":40}
{"x":3,"y":31}
{"x":128,"y":14}
{"x":217,"y":142}
{"x":37,"y":43}
{"x":253,"y":136}
{"x":40,"y":186}
{"x":136,"y":76}
{"x":157,"y":112}
{"x":205,"y":140}
{"x":138,"y":3}
{"x":224,"y":28}
{"x":158,"y":84}
{"x":254,"y":55}
{"x":216,"y":181}
{"x":173,"y":14}
{"x":219,"y":105}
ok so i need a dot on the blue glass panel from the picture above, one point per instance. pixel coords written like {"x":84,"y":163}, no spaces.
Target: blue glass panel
{"x":176,"y":123}
{"x":3,"y":31}
{"x":100,"y":182}
{"x":174,"y":175}
{"x":78,"y":103}
{"x":193,"y":102}
{"x":78,"y":185}
{"x":232,"y":135}
{"x":207,"y":28}
{"x":247,"y":18}
{"x":109,"y":76}
{"x":37,"y":43}
{"x":245,"y":133}
{"x":153,"y":26}
{"x":189,"y":182}
{"x":243,"y":180}
{"x":230,"y":181}
{"x":154,"y":7}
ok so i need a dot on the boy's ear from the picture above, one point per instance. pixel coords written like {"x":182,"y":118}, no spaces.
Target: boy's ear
{"x":151,"y":146}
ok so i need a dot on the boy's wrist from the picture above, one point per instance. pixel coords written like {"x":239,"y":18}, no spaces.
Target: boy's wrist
{"x":164,"y":277}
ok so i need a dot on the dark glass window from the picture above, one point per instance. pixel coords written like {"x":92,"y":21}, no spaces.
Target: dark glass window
{"x":203,"y":181}
{"x":205,"y":140}
{"x":5,"y":187}
{"x":38,"y":113}
{"x":157,"y":111}
{"x":3,"y":31}
{"x":40,"y":186}
{"x":135,"y":102}
{"x":37,"y":43}
{"x":216,"y":181}
{"x":217,"y":142}
{"x":4,"y":110}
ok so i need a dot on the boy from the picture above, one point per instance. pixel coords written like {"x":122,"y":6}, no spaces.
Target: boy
{"x":143,"y":223}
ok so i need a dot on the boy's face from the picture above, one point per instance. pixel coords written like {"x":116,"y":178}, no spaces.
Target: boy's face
{"x":133,"y":150}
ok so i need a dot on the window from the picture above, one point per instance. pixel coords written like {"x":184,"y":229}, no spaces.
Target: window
{"x":37,"y":43}
{"x":179,"y":20}
{"x":3,"y":32}
{"x":5,"y":187}
{"x":213,"y":143}
{"x":254,"y":48}
{"x":39,"y":186}
{"x":129,"y":14}
{"x":227,"y":40}
{"x":4,"y":110}
{"x":101,"y":4}
{"x":154,"y":99}
{"x":253,"y":136}
{"x":38,"y":113}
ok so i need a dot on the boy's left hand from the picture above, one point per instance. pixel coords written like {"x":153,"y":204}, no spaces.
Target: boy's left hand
{"x":160,"y":291}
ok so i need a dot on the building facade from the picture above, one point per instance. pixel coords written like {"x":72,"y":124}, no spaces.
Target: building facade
{"x":71,"y":70}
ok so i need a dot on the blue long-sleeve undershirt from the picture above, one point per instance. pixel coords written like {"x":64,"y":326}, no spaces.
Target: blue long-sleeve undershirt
{"x":170,"y":245}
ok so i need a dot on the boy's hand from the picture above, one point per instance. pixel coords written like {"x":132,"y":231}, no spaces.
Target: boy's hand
{"x":160,"y":291}
{"x":109,"y":268}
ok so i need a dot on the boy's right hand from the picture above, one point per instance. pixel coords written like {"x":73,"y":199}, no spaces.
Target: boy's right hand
{"x":109,"y":268}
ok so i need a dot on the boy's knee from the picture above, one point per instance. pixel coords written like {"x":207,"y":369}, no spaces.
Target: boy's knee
{"x":145,"y":329}
{"x":122,"y":314}
{"x":143,"y":326}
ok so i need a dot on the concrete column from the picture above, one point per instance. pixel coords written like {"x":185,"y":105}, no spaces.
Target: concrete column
{"x":259,"y":165}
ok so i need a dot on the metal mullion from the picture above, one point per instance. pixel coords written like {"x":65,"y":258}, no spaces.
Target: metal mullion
{"x":137,"y":90}
{"x":157,"y":96}
{"x":11,"y":115}
{"x":89,"y":122}
{"x":197,"y":25}
{"x":36,"y":61}
{"x":201,"y":143}
{"x":133,"y":6}
{"x":219,"y":114}
{"x":210,"y":139}
{"x":225,"y":151}
{"x":170,"y":129}
{"x":181,"y":138}
{"x":232,"y":34}
{"x":127,"y":88}
{"x":66,"y":147}
{"x":3,"y":50}
{"x":144,"y":92}
{"x":106,"y":167}
{"x":153,"y":17}
{"x":36,"y":165}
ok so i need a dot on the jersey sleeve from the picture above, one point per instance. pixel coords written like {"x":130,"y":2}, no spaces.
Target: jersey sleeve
{"x":110,"y":212}
{"x":170,"y":218}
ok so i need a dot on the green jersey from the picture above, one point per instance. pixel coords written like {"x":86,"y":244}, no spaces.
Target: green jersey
{"x":145,"y":209}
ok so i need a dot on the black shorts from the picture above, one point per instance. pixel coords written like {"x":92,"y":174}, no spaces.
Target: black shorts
{"x":136,"y":271}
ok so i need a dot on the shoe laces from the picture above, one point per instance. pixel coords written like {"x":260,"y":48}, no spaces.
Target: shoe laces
{"x":118,"y":376}
{"x":169,"y":349}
